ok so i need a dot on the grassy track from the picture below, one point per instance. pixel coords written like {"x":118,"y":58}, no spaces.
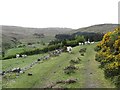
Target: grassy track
{"x":88,"y":75}
{"x":93,"y":76}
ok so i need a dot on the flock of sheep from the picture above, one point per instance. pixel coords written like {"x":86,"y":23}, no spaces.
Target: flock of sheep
{"x":23,"y":56}
{"x":86,"y":42}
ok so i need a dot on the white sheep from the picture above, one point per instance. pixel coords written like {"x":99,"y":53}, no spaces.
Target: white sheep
{"x":24,"y":56}
{"x":92,"y":42}
{"x":21,"y":72}
{"x":80,"y":44}
{"x":17,"y":55}
{"x":69,"y":49}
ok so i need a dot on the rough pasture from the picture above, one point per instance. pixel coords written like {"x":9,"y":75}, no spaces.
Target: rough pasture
{"x":19,"y":62}
{"x":51,"y":71}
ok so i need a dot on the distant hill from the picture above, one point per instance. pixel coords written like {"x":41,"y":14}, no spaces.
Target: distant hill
{"x":29,"y":31}
{"x":100,"y":28}
{"x":12,"y":35}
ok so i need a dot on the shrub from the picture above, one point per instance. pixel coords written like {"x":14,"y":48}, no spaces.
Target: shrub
{"x":83,"y":50}
{"x":74,"y":61}
{"x":70,"y":69}
{"x":82,"y":54}
{"x":108,"y":54}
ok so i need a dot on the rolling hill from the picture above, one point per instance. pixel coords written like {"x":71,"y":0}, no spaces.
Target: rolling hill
{"x":12,"y":35}
{"x":100,"y":28}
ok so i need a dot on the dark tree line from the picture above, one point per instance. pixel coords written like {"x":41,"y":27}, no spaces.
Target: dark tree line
{"x":87,"y":35}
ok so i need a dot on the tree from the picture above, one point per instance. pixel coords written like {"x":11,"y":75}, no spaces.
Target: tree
{"x":80,"y":39}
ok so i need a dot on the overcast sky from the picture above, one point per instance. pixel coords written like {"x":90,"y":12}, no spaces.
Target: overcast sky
{"x":58,"y":13}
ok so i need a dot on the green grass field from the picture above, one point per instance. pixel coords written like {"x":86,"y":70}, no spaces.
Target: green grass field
{"x":88,"y":75}
{"x":19,"y":62}
{"x":14,"y":51}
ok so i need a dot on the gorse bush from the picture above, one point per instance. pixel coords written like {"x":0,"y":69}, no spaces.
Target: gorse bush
{"x":108,"y":54}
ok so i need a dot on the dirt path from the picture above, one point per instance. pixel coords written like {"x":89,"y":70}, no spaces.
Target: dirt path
{"x":94,"y":76}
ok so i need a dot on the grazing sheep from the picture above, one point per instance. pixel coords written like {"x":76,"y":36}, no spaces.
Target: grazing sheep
{"x":80,"y":44}
{"x":17,"y":55}
{"x":87,"y":42}
{"x":92,"y":42}
{"x":21,"y":72}
{"x":69,"y":49}
{"x":24,"y":56}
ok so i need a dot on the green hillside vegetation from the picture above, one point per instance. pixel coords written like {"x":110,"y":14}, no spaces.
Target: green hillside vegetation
{"x":50,"y":73}
{"x":14,"y":35}
{"x":15,"y":51}
{"x":108,"y":54}
{"x":100,"y":28}
{"x":19,"y":62}
{"x":88,"y":65}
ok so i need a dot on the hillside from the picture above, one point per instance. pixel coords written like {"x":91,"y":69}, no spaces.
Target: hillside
{"x":12,"y":35}
{"x":27,"y":31}
{"x":48,"y":73}
{"x":100,"y":28}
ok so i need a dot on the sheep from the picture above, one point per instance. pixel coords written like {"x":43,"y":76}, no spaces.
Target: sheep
{"x":69,"y":49}
{"x":21,"y":72}
{"x":80,"y":44}
{"x":17,"y":55}
{"x":92,"y":42}
{"x":88,"y":42}
{"x":24,"y":56}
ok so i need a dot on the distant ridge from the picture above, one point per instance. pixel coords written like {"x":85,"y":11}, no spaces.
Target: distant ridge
{"x":100,"y":28}
{"x":11,"y":35}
